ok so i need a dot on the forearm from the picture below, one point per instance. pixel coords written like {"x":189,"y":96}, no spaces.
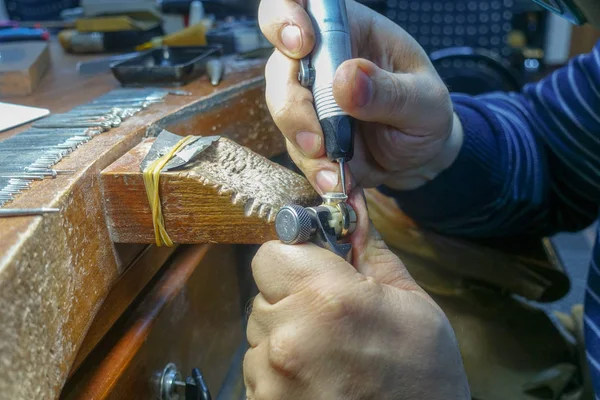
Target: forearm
{"x":477,"y":186}
{"x":528,"y":163}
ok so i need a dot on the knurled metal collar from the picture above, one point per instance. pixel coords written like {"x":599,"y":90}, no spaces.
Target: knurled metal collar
{"x":293,"y":225}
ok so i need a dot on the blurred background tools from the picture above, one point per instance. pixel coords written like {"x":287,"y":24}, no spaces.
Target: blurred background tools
{"x":476,"y":45}
{"x":166,"y":66}
{"x":22,"y":34}
{"x":22,"y":65}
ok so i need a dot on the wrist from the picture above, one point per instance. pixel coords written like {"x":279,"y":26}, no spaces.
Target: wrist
{"x":417,"y":177}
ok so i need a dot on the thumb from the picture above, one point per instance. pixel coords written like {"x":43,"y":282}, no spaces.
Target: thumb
{"x":375,"y":259}
{"x":406,"y":101}
{"x":371,"y":94}
{"x":371,"y":256}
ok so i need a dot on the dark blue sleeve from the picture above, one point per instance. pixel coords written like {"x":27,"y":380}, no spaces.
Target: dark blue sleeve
{"x":530,"y":162}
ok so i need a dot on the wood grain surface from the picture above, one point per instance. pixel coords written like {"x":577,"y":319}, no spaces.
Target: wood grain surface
{"x":122,"y":295}
{"x":56,"y":270}
{"x":190,"y":316}
{"x":229,"y":195}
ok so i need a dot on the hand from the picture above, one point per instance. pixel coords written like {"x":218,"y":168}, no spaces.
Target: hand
{"x":403,"y":106}
{"x":323,"y":329}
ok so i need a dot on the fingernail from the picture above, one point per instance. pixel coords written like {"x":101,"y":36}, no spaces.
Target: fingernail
{"x":309,"y":142}
{"x":327,"y":181}
{"x":363,"y":88}
{"x":291,"y":37}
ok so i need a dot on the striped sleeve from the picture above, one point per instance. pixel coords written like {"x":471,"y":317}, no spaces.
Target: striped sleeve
{"x":530,"y":162}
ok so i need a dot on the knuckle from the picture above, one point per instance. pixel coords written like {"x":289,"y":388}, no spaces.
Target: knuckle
{"x":285,"y":352}
{"x":273,"y":65}
{"x":247,"y":370}
{"x":260,"y":307}
{"x":271,"y":18}
{"x":441,"y":91}
{"x":281,"y":112}
{"x":402,"y":93}
{"x":333,"y":303}
{"x":369,"y":288}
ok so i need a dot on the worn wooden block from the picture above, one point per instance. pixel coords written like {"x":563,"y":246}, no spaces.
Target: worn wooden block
{"x":22,"y":66}
{"x":229,"y":195}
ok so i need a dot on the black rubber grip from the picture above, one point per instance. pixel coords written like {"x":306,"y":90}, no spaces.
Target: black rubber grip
{"x":339,"y":137}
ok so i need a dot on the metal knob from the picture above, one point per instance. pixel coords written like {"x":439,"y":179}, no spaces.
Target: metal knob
{"x":171,"y":386}
{"x":294,"y":225}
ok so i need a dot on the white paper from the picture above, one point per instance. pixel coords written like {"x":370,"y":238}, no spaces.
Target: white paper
{"x":12,"y":115}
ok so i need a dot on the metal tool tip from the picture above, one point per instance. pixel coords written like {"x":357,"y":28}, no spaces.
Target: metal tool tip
{"x":342,"y":163}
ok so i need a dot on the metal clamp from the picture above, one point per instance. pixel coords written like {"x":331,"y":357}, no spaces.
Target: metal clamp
{"x":306,"y":76}
{"x":328,"y":225}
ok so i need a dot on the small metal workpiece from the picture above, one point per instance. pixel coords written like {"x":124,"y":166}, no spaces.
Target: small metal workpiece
{"x":24,"y":212}
{"x":328,"y":225}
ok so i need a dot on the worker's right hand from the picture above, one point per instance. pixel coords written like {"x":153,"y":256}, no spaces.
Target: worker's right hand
{"x":403,"y":108}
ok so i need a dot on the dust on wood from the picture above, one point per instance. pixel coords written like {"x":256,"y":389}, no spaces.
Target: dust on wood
{"x":259,"y":185}
{"x":229,"y":195}
{"x":56,"y":270}
{"x":244,"y":119}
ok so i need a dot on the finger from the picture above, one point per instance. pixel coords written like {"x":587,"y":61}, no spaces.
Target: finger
{"x":360,"y":237}
{"x":259,"y":323}
{"x":372,"y":94}
{"x":281,"y":270}
{"x":291,"y":106}
{"x":262,"y":382}
{"x":320,"y":172}
{"x":372,"y":257}
{"x":249,"y":369}
{"x":287,"y":26}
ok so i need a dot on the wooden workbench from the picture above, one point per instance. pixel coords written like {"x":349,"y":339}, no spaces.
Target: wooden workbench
{"x":57,"y":271}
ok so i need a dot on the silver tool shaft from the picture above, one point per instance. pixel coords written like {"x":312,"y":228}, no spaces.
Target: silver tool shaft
{"x":342,"y":163}
{"x":332,"y":47}
{"x":24,"y":212}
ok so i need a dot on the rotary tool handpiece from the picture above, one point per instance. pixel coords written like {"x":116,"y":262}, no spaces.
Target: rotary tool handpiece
{"x":332,"y":47}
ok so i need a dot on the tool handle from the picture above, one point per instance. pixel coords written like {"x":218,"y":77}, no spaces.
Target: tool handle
{"x":332,"y":48}
{"x":23,"y":34}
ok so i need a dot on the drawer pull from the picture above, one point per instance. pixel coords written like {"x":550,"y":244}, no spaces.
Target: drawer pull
{"x":172,"y":387}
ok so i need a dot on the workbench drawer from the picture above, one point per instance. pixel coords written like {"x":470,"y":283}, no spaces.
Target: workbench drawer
{"x":189,"y":315}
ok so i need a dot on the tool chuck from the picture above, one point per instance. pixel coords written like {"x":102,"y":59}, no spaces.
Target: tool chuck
{"x":328,"y":225}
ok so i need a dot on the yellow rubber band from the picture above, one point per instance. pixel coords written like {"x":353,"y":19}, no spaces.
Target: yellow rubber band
{"x":151,"y":181}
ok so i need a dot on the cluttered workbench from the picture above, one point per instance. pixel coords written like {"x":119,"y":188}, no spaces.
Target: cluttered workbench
{"x":91,"y":307}
{"x":57,"y":269}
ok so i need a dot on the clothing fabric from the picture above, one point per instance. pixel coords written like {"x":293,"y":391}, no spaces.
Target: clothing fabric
{"x":529,"y":165}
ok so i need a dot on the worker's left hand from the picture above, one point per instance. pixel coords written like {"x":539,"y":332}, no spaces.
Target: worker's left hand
{"x":324,"y":329}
